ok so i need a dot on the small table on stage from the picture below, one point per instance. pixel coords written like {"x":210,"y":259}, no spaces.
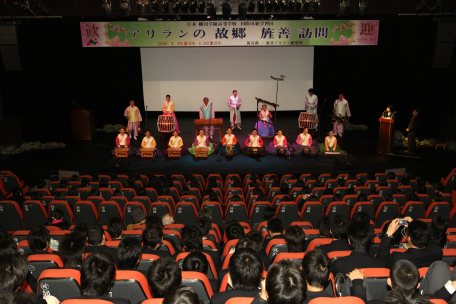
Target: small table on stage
{"x":386,"y":136}
{"x":209,"y":122}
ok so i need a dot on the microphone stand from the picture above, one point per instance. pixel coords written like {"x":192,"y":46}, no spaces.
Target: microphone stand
{"x":76,"y":104}
{"x":218,"y":157}
{"x":319,"y":116}
{"x":389,"y":132}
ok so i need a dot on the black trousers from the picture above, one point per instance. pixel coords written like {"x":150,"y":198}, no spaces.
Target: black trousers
{"x":411,"y":143}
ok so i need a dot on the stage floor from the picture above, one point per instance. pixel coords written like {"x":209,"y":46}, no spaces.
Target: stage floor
{"x":92,"y":157}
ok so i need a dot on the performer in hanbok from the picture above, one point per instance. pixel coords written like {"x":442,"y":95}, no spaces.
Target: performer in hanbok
{"x":234,"y":103}
{"x":123,"y":141}
{"x":264,"y":125}
{"x":168,"y":109}
{"x":229,"y":140}
{"x":254,"y":142}
{"x":149,"y":142}
{"x":279,"y":142}
{"x":207,"y":112}
{"x":330,"y":145}
{"x":311,"y":104}
{"x":388,"y":113}
{"x":304,"y":141}
{"x":176,"y":142}
{"x":134,"y":118}
{"x":202,"y":141}
{"x":342,"y":109}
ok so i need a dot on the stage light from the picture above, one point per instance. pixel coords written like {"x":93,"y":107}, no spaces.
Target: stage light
{"x":363,"y":7}
{"x":260,"y":6}
{"x":125,"y":8}
{"x":316,"y":5}
{"x":210,"y":10}
{"x":42,"y":8}
{"x":140,"y":7}
{"x":226,"y":10}
{"x":193,"y":7}
{"x":291,"y":5}
{"x":154,"y":6}
{"x":283,"y":4}
{"x":29,"y":9}
{"x":276,"y":5}
{"x":201,"y":6}
{"x":306,"y":6}
{"x":184,"y":7}
{"x":420,"y":6}
{"x":344,"y":8}
{"x":242,"y":10}
{"x":107,"y":8}
{"x":268,"y":5}
{"x":165,"y":7}
{"x":176,"y":7}
{"x":252,"y":6}
{"x":299,"y":6}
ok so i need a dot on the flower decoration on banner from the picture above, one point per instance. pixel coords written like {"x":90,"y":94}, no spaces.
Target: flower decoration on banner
{"x":343,"y":40}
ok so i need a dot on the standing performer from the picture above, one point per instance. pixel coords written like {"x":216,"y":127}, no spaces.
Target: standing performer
{"x":149,"y":142}
{"x":279,"y":142}
{"x":330,"y":145}
{"x":311,"y":104}
{"x":413,"y":131}
{"x":134,"y":118}
{"x":229,"y":140}
{"x":264,"y":126}
{"x":234,"y":103}
{"x":168,"y":109}
{"x":123,"y":141}
{"x":176,"y":142}
{"x":201,"y":141}
{"x":388,"y":113}
{"x":207,"y":112}
{"x":304,"y":141}
{"x":340,"y":109}
{"x":254,"y":142}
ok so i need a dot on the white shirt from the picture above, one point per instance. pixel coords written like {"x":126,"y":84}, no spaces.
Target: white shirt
{"x":168,"y":105}
{"x":305,"y":139}
{"x":175,"y":141}
{"x":264,"y":115}
{"x":148,"y":141}
{"x":342,"y":107}
{"x":122,"y":139}
{"x":254,"y":141}
{"x":229,"y":139}
{"x":279,"y":140}
{"x":331,"y":141}
{"x":201,"y":141}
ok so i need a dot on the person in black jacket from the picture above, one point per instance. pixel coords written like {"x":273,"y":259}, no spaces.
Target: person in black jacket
{"x":18,"y":197}
{"x":317,"y":268}
{"x":422,"y":251}
{"x":275,"y":230}
{"x":152,"y":240}
{"x":97,"y":241}
{"x":245,"y":268}
{"x":164,"y":276}
{"x":71,"y":250}
{"x":182,"y":295}
{"x":39,"y":240}
{"x":412,"y":130}
{"x":129,"y":253}
{"x":337,"y":225}
{"x":197,"y":261}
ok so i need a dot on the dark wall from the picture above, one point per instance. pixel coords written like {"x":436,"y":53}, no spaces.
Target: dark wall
{"x":57,"y":69}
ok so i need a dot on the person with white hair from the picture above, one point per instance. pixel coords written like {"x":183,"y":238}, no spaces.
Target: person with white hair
{"x":168,"y":219}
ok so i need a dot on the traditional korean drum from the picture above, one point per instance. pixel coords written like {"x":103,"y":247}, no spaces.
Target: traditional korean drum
{"x":229,"y":150}
{"x":307,"y":120}
{"x":255,"y":151}
{"x":281,"y":152}
{"x":165,"y":124}
{"x":306,"y":152}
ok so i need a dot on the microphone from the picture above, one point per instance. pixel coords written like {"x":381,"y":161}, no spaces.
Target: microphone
{"x":218,"y":157}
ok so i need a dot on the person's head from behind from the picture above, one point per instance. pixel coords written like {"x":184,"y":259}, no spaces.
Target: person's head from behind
{"x":71,"y":249}
{"x":59,"y":196}
{"x":95,"y":236}
{"x":362,"y":197}
{"x":196,"y":261}
{"x":3,"y":235}
{"x":247,"y":242}
{"x":152,"y":237}
{"x":164,"y":276}
{"x":168,"y":219}
{"x":18,"y":297}
{"x":234,"y":231}
{"x":245,"y":268}
{"x":13,"y":270}
{"x":205,"y":213}
{"x":418,"y":234}
{"x":359,"y":236}
{"x":115,"y":227}
{"x":192,"y":239}
{"x":338,"y":224}
{"x":182,"y":295}
{"x":138,"y":216}
{"x":296,"y":239}
{"x":438,"y":229}
{"x":275,"y":227}
{"x":404,"y":277}
{"x":361,"y":216}
{"x":285,"y":283}
{"x":41,"y":184}
{"x":128,"y":253}
{"x":81,"y":229}
{"x":97,"y":272}
{"x":94,"y":192}
{"x":268,"y":213}
{"x":103,"y":183}
{"x":316,"y":266}
{"x":439,"y":188}
{"x":256,"y":237}
{"x":8,"y":244}
{"x":204,"y":225}
{"x":39,"y":239}
{"x":323,"y":227}
{"x":155,"y":220}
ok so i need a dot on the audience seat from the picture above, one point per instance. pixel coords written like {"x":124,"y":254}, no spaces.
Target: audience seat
{"x":60,"y":283}
{"x":318,"y":242}
{"x":131,"y":285}
{"x":407,"y":190}
{"x":296,"y":257}
{"x":11,"y":216}
{"x":108,"y":210}
{"x":236,"y":211}
{"x":145,"y":200}
{"x":199,"y":282}
{"x":334,"y":255}
{"x":137,"y":234}
{"x":128,"y":193}
{"x":366,"y":207}
{"x":340,"y":190}
{"x":34,"y":214}
{"x":449,"y":182}
{"x":190,"y":199}
{"x":426,"y":199}
{"x":363,"y":190}
{"x":385,"y":212}
{"x":217,"y":213}
{"x":318,"y":192}
{"x":393,"y":184}
{"x":58,"y":234}
{"x":66,"y":209}
{"x":375,"y":199}
{"x":287,"y":212}
{"x":151,"y":193}
{"x":43,"y":192}
{"x":84,"y":193}
{"x":325,"y":200}
{"x":438,"y":208}
{"x":230,"y":244}
{"x":129,"y":207}
{"x":40,"y":262}
{"x":302,"y":225}
{"x":450,"y":199}
{"x":272,"y":193}
{"x":311,"y":212}
{"x":20,"y":235}
{"x":415,"y":210}
{"x":276,"y":246}
{"x":372,"y":184}
{"x":381,"y":177}
{"x":351,"y":183}
{"x":169,"y":199}
{"x":383,"y":190}
{"x":11,"y":182}
{"x":160,"y":209}
{"x":146,"y":260}
{"x":72,"y":200}
{"x":174,"y":236}
{"x":121,"y":201}
{"x":343,"y":300}
{"x":186,"y":214}
{"x":85,"y":212}
{"x":449,"y":255}
{"x":256,"y":211}
{"x":376,"y":279}
{"x":211,"y":271}
{"x":351,"y":200}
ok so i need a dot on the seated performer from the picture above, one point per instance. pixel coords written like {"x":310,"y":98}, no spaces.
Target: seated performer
{"x":202,"y":141}
{"x":304,"y":141}
{"x":176,"y":142}
{"x":254,"y":143}
{"x":148,"y":142}
{"x":330,"y":145}
{"x":388,"y":113}
{"x":229,"y":140}
{"x":168,"y":109}
{"x":264,"y":126}
{"x":279,"y":142}
{"x":123,"y":141}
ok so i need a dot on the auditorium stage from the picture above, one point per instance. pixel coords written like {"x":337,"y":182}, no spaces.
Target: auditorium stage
{"x":92,"y":157}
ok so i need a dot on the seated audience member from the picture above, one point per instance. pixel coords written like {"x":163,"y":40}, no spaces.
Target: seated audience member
{"x":205,"y":213}
{"x":97,"y":272}
{"x":139,"y":218}
{"x":296,"y":239}
{"x":361,"y":217}
{"x":129,"y":253}
{"x":57,"y":219}
{"x":168,"y":219}
{"x":41,"y":185}
{"x":115,"y":228}
{"x":36,"y":196}
{"x":284,"y":284}
{"x":197,"y":261}
{"x":82,"y":230}
{"x":234,"y":231}
{"x":422,"y":250}
{"x":439,"y":226}
{"x":163,"y":276}
{"x":397,"y":236}
{"x":337,"y":226}
{"x":71,"y":250}
{"x":18,"y":197}
{"x":19,"y":297}
{"x":359,"y":237}
{"x":439,"y":188}
{"x":152,"y":241}
{"x":103,"y":183}
{"x":39,"y":240}
{"x":155,"y":220}
{"x":94,"y":192}
{"x":97,"y":241}
{"x":59,"y":196}
{"x":245,"y":269}
{"x":3,"y":235}
{"x":204,"y":225}
{"x":182,"y":295}
{"x":324,"y":230}
{"x":268,"y":213}
{"x":275,"y":230}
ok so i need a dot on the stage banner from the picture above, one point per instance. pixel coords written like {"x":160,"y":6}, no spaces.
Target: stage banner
{"x":229,"y":33}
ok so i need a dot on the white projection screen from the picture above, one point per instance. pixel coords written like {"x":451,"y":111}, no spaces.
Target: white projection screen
{"x":190,"y":74}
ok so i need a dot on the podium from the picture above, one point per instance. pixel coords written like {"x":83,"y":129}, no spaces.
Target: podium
{"x":386,"y":135}
{"x":209,"y":122}
{"x":82,"y":125}
{"x":121,"y":152}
